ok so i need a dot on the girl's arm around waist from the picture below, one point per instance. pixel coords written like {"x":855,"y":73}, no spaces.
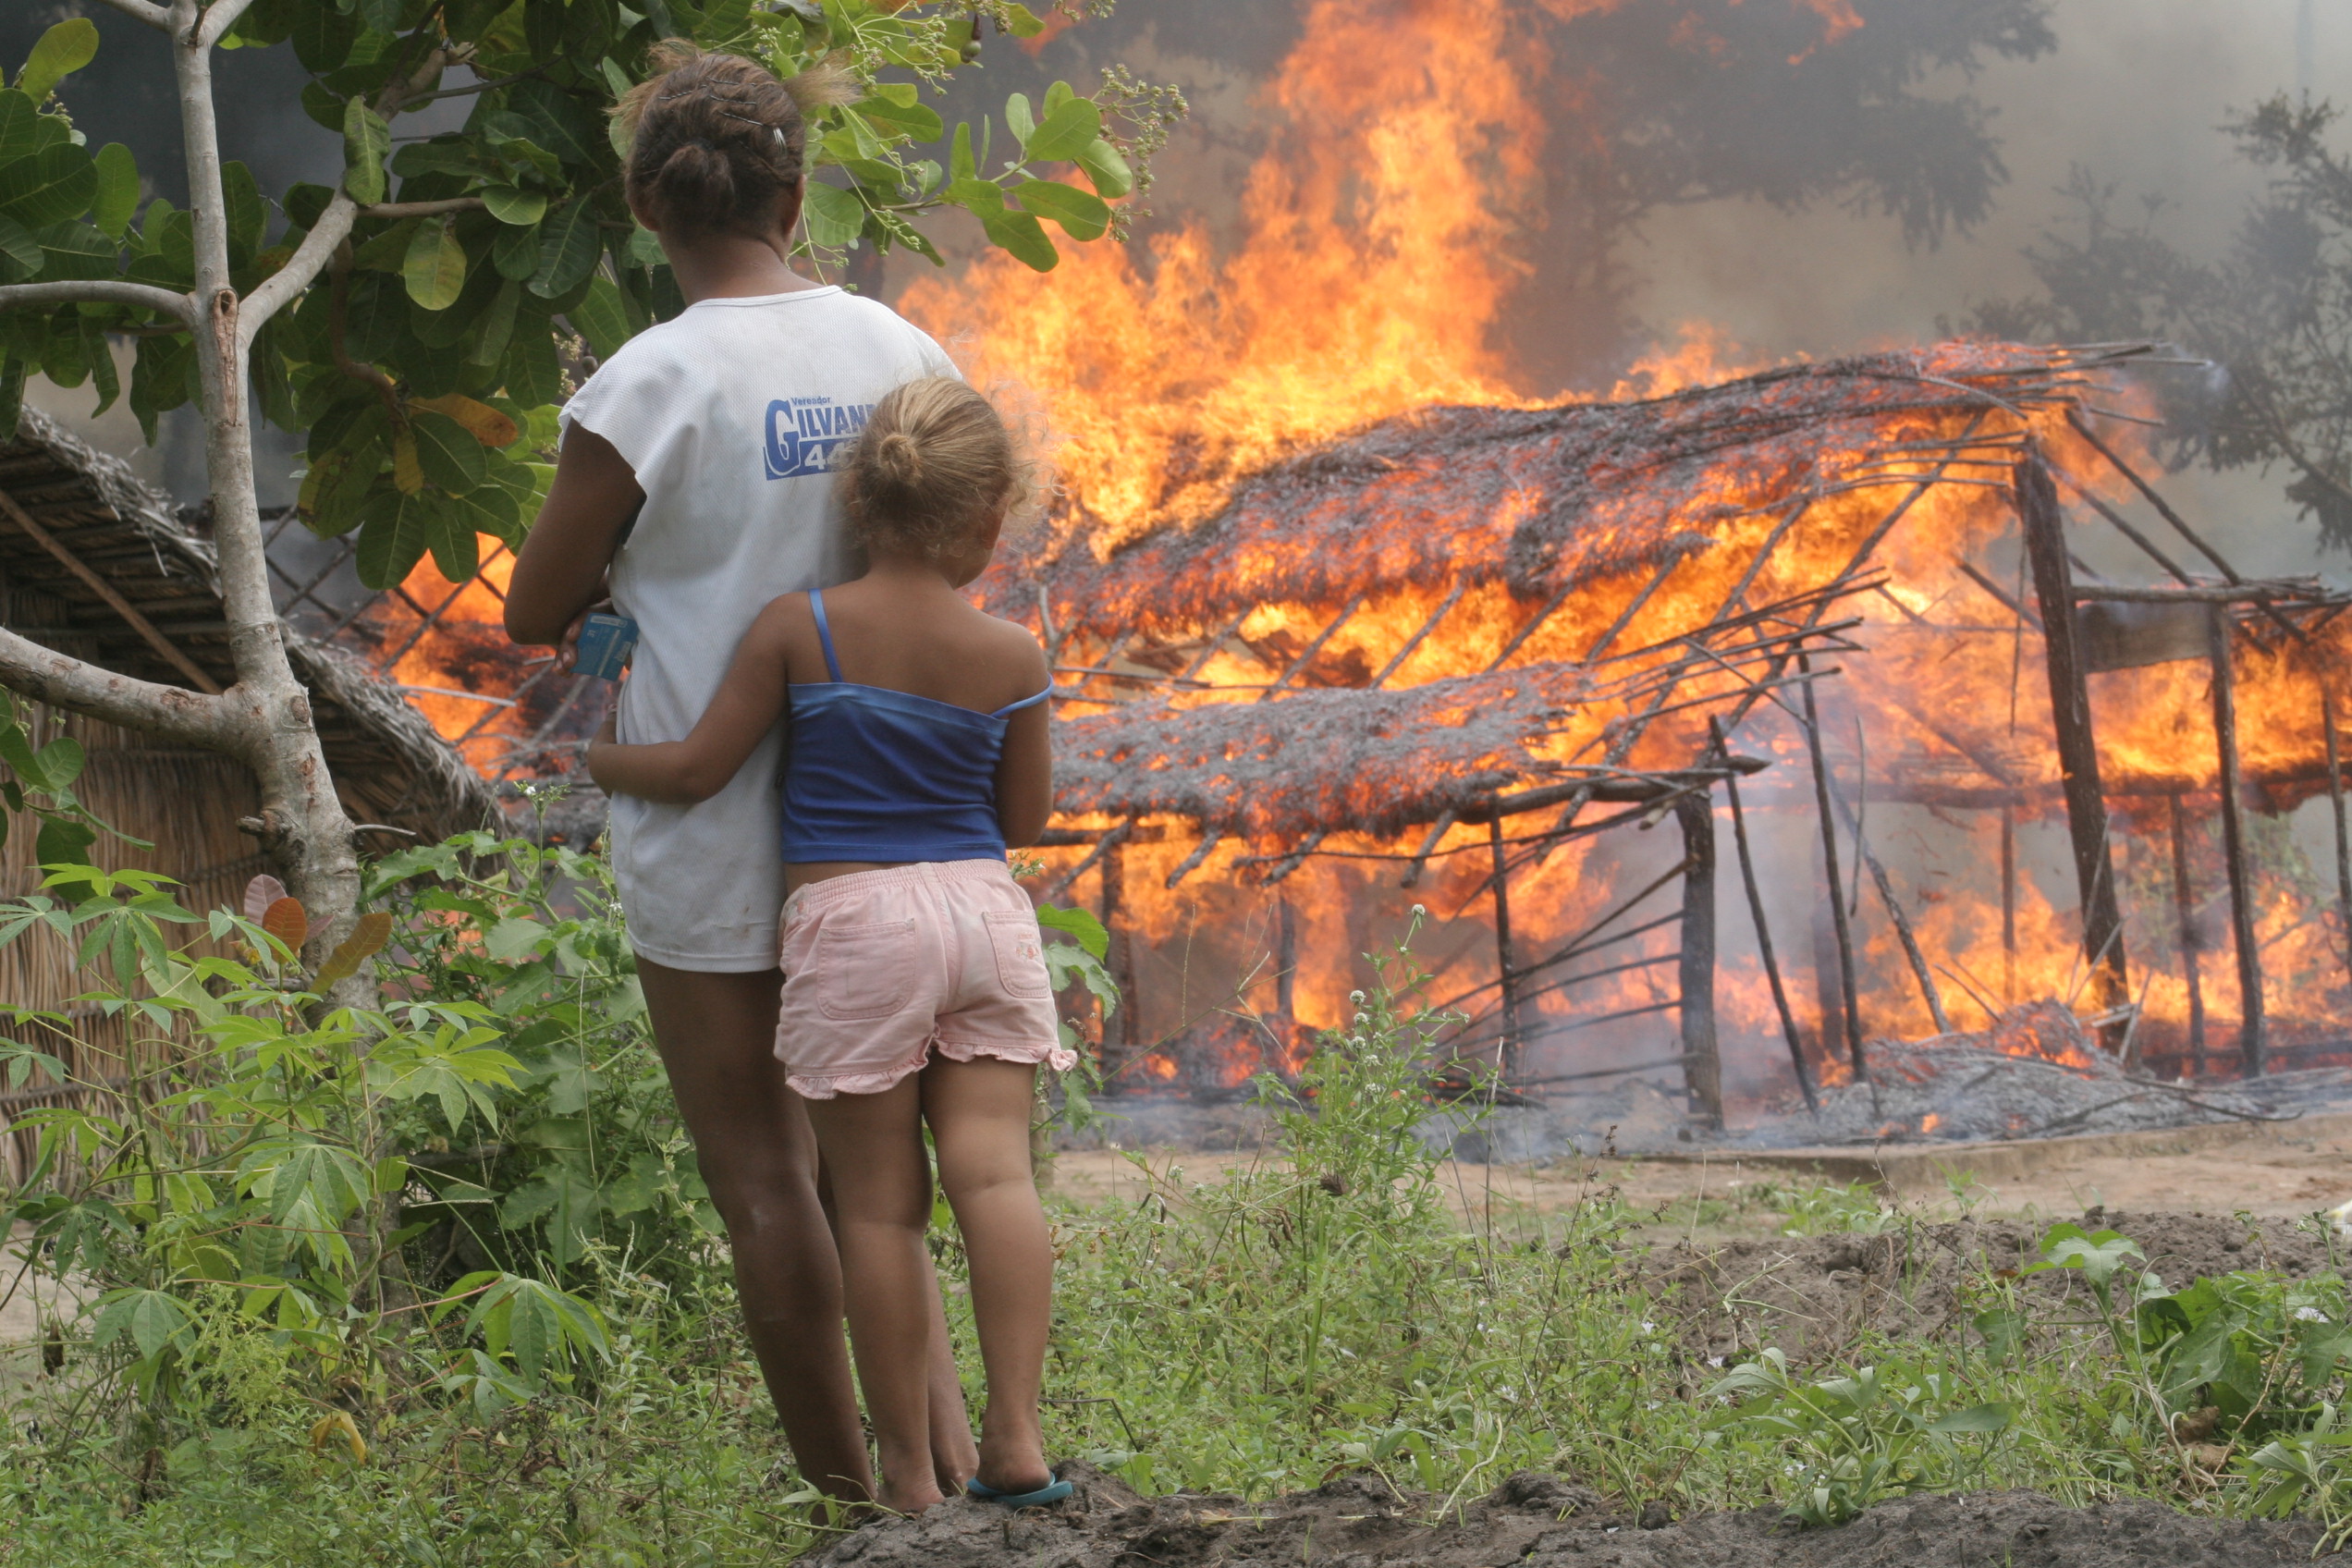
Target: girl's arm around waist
{"x":746,"y":707}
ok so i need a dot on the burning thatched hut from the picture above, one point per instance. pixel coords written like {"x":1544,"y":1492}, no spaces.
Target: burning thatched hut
{"x":1397,"y":647}
{"x":95,"y":564}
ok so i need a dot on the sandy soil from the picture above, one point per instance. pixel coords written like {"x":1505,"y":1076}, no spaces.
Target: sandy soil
{"x":2285,"y":1170}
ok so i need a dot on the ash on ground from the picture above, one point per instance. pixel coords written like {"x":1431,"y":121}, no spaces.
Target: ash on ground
{"x":2036,"y":1074}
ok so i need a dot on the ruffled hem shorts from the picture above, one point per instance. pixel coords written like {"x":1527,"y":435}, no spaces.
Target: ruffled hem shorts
{"x":882,"y":967}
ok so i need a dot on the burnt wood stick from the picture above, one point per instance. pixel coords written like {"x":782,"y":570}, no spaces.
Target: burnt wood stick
{"x":1764,"y":941}
{"x":2008,"y":904}
{"x":2183,"y":909}
{"x":1102,"y":846}
{"x":1976,"y":751}
{"x":1191,"y":862}
{"x":1461,"y":586}
{"x":1702,"y":1061}
{"x":2163,"y":509}
{"x":1528,"y":629}
{"x":1764,"y":554}
{"x":2180,"y":524}
{"x":1428,"y":846}
{"x":2000,"y":594}
{"x":1853,"y":1017}
{"x":2336,"y":801}
{"x":1894,"y":913}
{"x":1625,"y":615}
{"x":1506,"y":960}
{"x":2037,"y":500}
{"x":2249,"y":952}
{"x":2258,"y":594}
{"x":2122,"y":526}
{"x":1298,"y":665}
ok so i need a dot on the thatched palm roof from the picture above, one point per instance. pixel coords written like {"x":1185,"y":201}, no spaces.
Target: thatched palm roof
{"x":116,"y":555}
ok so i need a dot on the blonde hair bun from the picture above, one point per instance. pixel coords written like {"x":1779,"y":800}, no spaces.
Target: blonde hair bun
{"x":934,"y":467}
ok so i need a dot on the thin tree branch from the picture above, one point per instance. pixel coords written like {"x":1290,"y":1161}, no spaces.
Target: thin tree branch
{"x":218,"y":20}
{"x":63,"y":682}
{"x":491,"y":85}
{"x":275,"y":292}
{"x":422,"y":209}
{"x":99,"y":292}
{"x":153,"y":15}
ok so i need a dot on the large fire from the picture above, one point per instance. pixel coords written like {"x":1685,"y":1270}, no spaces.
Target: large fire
{"x":1373,"y":282}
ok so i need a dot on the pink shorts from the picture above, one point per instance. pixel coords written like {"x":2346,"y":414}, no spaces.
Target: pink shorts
{"x":881,"y":965}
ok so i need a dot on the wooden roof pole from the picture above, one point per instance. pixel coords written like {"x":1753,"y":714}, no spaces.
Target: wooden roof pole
{"x":112,"y":598}
{"x":2250,"y":1030}
{"x":1702,"y":1061}
{"x":2103,"y":924}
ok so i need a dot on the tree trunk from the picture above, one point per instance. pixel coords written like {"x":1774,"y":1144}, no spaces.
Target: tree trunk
{"x":303,"y":828}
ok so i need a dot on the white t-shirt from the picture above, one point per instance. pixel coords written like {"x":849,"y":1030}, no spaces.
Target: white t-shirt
{"x":733,"y":417}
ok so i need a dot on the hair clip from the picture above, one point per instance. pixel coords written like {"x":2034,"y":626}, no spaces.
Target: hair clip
{"x":775,"y":131}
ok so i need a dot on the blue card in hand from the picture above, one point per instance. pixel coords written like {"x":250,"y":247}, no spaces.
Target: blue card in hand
{"x":605,"y":642}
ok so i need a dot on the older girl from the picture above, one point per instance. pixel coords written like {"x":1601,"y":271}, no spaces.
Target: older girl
{"x":695,"y":484}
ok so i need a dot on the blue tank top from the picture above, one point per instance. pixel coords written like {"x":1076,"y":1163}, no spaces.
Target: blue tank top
{"x":873,"y":774}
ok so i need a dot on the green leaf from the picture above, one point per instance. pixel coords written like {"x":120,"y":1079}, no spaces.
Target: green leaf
{"x":1019,"y":119}
{"x":1082,"y":215}
{"x":435,"y":267}
{"x":247,"y":217}
{"x":516,"y":251}
{"x":1079,"y":924}
{"x":514,"y":939}
{"x":392,"y":537}
{"x":568,"y":249}
{"x":489,"y":509}
{"x":457,"y":550}
{"x":118,"y":196}
{"x":1024,"y":237}
{"x":1977,"y":1418}
{"x":63,"y":50}
{"x":366,"y":140}
{"x":322,"y":36}
{"x":601,"y":317}
{"x":834,"y":216}
{"x":20,"y":253}
{"x":1065,"y":132}
{"x":151,"y":1318}
{"x":73,"y":249}
{"x":493,"y":328}
{"x":1107,"y":167}
{"x":449,"y":454}
{"x":63,"y":840}
{"x":50,"y":186}
{"x":906,"y":117}
{"x":509,"y":204}
{"x":61,"y":762}
{"x":1021,"y":21}
{"x":959,"y":161}
{"x":559,"y":121}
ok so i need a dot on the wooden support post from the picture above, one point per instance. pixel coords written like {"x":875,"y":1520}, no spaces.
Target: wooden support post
{"x":2008,"y":903}
{"x":2184,"y":908}
{"x":2102,"y":922}
{"x":1835,"y":883}
{"x":2249,"y":952}
{"x":1789,"y":1030}
{"x":1506,"y":955}
{"x":1120,"y":1028}
{"x":1702,"y":1063}
{"x":2343,"y":843}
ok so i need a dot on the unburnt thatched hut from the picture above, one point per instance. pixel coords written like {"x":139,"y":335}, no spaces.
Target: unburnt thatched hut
{"x":97,"y":565}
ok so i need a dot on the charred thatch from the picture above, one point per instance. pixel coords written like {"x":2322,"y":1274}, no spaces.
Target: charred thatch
{"x":1544,"y":501}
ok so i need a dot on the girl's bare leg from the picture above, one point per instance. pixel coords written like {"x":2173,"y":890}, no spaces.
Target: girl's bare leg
{"x":979,"y":1112}
{"x":882,"y":1206}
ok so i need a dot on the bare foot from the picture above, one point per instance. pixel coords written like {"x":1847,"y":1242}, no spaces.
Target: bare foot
{"x":923,"y":1493}
{"x":1013,"y":1466}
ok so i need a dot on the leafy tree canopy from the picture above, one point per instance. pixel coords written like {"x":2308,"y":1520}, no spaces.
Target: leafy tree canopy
{"x":489,"y":265}
{"x":2275,"y":310}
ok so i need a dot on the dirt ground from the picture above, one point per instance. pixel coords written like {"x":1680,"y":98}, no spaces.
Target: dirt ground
{"x":2286,"y":1170}
{"x":1356,"y":1522}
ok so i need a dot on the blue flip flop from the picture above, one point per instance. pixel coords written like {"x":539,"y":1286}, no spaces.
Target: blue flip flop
{"x":1053,"y":1491}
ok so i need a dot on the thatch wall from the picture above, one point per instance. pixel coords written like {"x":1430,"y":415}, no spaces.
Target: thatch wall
{"x":389,"y":764}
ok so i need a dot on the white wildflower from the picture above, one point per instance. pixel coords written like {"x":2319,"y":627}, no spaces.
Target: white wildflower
{"x":2309,"y":1314}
